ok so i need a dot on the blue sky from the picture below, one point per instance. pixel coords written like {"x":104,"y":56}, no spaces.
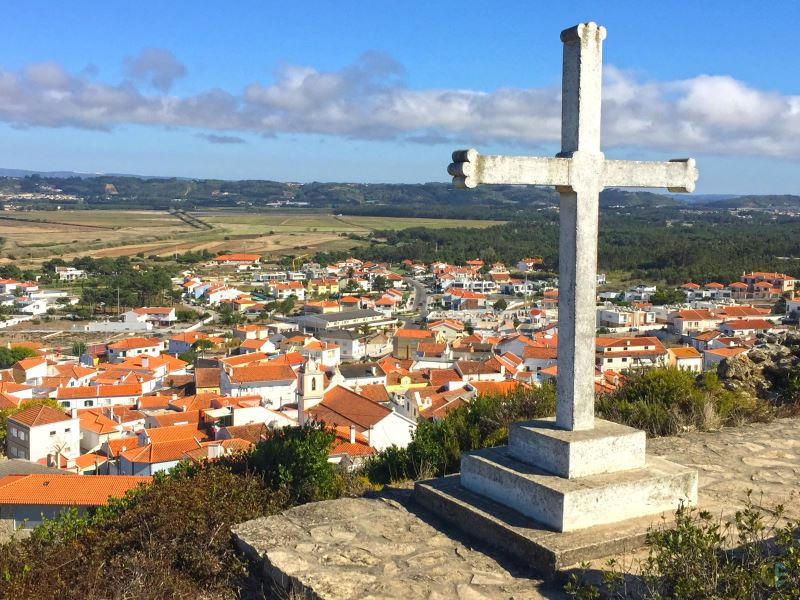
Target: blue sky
{"x":382,"y":92}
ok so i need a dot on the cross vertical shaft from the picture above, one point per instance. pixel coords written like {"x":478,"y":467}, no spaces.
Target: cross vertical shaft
{"x":578,"y":215}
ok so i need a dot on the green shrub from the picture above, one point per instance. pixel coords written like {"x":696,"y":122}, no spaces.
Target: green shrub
{"x":754,"y":556}
{"x":436,"y":446}
{"x":170,"y":539}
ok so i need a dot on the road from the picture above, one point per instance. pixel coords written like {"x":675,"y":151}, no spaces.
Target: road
{"x":420,"y":299}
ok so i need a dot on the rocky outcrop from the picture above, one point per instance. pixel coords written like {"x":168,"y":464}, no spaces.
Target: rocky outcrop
{"x":764,"y":370}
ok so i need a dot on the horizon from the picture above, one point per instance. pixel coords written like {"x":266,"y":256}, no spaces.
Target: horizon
{"x":341,"y":94}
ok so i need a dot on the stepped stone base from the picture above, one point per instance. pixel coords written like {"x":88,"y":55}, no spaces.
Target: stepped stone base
{"x":569,"y":504}
{"x":524,"y":539}
{"x":606,"y":448}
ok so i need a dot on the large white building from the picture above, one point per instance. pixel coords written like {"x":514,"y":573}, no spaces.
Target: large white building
{"x":42,"y":433}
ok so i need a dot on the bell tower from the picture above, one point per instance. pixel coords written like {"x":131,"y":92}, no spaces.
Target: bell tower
{"x":310,"y":390}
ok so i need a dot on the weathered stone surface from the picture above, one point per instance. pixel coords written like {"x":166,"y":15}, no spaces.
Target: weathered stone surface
{"x":569,"y":504}
{"x":373,"y":548}
{"x":358,"y":548}
{"x":605,"y":448}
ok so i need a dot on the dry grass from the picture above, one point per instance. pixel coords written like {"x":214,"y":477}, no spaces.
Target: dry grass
{"x":99,"y":233}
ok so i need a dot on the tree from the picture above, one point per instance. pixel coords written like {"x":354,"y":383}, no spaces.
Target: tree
{"x":78,"y":348}
{"x":667,"y":296}
{"x":500,"y":305}
{"x":8,"y":356}
{"x":229,"y":315}
{"x":380,"y":283}
{"x":469,"y":328}
{"x":202,"y":345}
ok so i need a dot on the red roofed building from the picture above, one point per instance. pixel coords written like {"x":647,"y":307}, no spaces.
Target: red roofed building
{"x":237,"y":259}
{"x":274,"y":383}
{"x":26,"y":499}
{"x":42,"y":434}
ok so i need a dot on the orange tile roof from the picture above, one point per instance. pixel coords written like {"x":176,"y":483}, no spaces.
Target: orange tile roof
{"x":39,"y":415}
{"x":270,"y":372}
{"x":99,"y":391}
{"x":171,"y":433}
{"x":135,"y":342}
{"x":685,"y":352}
{"x":30,"y":363}
{"x":90,"y":459}
{"x":726,"y":351}
{"x":748,"y":324}
{"x":419,"y":334}
{"x":341,"y":406}
{"x":495,"y":387}
{"x":239,"y":257}
{"x":66,"y":490}
{"x":157,"y":452}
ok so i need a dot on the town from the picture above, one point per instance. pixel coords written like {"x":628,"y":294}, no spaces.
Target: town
{"x":366,"y":349}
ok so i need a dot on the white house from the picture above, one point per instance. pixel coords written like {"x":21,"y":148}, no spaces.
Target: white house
{"x":134,"y":346}
{"x":275,"y":384}
{"x":42,"y":433}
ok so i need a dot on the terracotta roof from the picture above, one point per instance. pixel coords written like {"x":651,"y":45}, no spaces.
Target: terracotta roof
{"x":42,"y":488}
{"x":375,"y":391}
{"x":271,"y":372}
{"x":99,"y":391}
{"x":495,"y":387}
{"x":419,"y":334}
{"x":175,"y":418}
{"x":253,"y":432}
{"x":39,"y":415}
{"x":748,"y":324}
{"x":341,"y":406}
{"x":135,"y":342}
{"x":726,"y":351}
{"x":742,"y":311}
{"x":30,"y":363}
{"x":238,"y":257}
{"x":157,"y":452}
{"x":90,"y":459}
{"x":243,"y":359}
{"x":97,"y":422}
{"x":153,"y":402}
{"x":176,"y":432}
{"x":685,"y":352}
{"x":540,"y":353}
{"x":205,"y":377}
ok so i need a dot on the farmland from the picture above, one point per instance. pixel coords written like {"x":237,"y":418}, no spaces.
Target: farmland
{"x":32,"y":236}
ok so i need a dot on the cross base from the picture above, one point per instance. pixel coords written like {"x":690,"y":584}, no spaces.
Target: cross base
{"x":606,"y":448}
{"x":573,"y":480}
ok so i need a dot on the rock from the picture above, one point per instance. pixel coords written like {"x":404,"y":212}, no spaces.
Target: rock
{"x":360,"y":548}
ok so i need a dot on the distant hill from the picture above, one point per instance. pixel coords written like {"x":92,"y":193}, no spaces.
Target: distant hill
{"x":761,"y":202}
{"x":432,"y":200}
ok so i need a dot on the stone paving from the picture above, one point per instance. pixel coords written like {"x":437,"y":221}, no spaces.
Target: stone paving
{"x":762,"y":457}
{"x":386,"y":548}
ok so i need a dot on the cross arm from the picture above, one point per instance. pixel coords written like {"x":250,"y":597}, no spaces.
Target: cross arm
{"x":676,"y":175}
{"x":470,"y":169}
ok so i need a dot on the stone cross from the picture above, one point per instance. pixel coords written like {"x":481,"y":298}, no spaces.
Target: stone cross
{"x":579,"y":172}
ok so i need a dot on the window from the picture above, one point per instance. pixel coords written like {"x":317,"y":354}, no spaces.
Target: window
{"x":52,"y":433}
{"x":88,"y":403}
{"x":624,"y":359}
{"x":14,"y":431}
{"x":67,"y":429}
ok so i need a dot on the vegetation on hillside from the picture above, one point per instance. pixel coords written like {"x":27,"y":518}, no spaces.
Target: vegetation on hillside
{"x":754,"y":556}
{"x":715,"y":247}
{"x":172,"y":538}
{"x":660,"y":401}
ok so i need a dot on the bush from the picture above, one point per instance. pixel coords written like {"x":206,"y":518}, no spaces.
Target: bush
{"x":170,"y":539}
{"x":437,"y":445}
{"x":667,"y":401}
{"x":704,"y":557}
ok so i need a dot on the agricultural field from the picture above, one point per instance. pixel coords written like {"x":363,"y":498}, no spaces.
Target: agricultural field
{"x":30,"y":237}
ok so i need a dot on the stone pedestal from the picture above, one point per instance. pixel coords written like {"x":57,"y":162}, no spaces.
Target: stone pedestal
{"x":571,"y":483}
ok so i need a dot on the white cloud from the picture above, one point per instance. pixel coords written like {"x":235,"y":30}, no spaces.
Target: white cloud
{"x":369,"y":100}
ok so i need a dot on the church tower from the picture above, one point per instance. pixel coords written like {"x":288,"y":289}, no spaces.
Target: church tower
{"x":310,"y":389}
